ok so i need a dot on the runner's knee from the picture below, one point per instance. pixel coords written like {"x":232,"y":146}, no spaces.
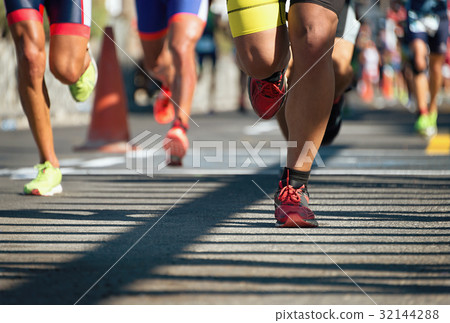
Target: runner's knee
{"x":419,"y":64}
{"x":66,"y":71}
{"x":178,"y":50}
{"x":183,"y":48}
{"x":32,"y":57}
{"x":263,"y":62}
{"x":314,"y":37}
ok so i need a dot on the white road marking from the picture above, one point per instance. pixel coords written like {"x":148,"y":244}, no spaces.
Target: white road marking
{"x":103,"y":162}
{"x":175,"y":171}
{"x":261,"y":127}
{"x":356,"y":162}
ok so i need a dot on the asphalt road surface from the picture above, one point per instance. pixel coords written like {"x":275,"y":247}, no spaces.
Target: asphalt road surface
{"x":204,"y":234}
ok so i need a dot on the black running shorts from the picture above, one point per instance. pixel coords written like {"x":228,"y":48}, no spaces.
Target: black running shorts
{"x":333,"y":5}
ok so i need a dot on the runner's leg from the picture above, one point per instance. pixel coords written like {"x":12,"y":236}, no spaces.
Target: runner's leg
{"x":29,"y":40}
{"x":343,"y":71}
{"x":419,"y":51}
{"x":436,"y":62}
{"x":184,"y":32}
{"x":312,"y":30}
{"x":158,"y":60}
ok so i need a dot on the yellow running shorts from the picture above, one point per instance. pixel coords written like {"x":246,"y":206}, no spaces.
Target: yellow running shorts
{"x":251,"y":16}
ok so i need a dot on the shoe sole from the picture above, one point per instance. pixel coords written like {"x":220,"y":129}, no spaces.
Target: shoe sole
{"x":94,"y":65}
{"x":431,"y":132}
{"x":427,"y":133}
{"x":55,"y":190}
{"x":177,"y":153}
{"x":298,"y":224}
{"x":175,"y":161}
{"x":295,"y":221}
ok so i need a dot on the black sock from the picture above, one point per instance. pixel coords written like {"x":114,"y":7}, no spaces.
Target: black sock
{"x":180,"y":123}
{"x":274,"y":78}
{"x":297,"y":178}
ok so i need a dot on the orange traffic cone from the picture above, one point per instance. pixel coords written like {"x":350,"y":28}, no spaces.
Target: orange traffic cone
{"x":366,"y":88}
{"x":108,"y":131}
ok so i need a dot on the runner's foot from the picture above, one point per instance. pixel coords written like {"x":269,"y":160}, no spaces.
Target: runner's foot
{"x":47,"y":181}
{"x":176,"y":143}
{"x":291,"y":206}
{"x":163,"y":109}
{"x":82,"y":89}
{"x":426,"y":125}
{"x":267,"y":97}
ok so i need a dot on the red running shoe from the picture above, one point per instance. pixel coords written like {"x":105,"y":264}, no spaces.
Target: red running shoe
{"x":176,"y":143}
{"x":291,"y":207}
{"x":163,"y":109}
{"x":267,"y":97}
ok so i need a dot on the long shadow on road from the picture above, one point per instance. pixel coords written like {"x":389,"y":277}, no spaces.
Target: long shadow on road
{"x":180,"y":226}
{"x":239,"y":218}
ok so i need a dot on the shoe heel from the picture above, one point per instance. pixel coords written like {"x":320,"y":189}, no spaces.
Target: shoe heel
{"x":175,"y":161}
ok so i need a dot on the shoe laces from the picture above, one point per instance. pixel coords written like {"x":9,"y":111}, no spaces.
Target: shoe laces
{"x":269,"y":89}
{"x":41,"y":168}
{"x":289,"y":194}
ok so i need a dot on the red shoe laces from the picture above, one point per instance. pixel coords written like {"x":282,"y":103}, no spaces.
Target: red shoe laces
{"x":269,"y":89}
{"x":289,"y":193}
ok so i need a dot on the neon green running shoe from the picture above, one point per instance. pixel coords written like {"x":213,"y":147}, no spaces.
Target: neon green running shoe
{"x":47,"y":181}
{"x":82,"y":89}
{"x":422,"y":124}
{"x":426,"y":125}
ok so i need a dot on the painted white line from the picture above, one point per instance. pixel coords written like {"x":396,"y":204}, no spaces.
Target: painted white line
{"x":382,"y":172}
{"x":96,"y":171}
{"x":178,"y":171}
{"x":323,"y":151}
{"x":373,"y":152}
{"x":29,"y":172}
{"x":71,"y":162}
{"x":172,"y":171}
{"x":5,"y":172}
{"x":262,"y":127}
{"x":103,"y":162}
{"x":83,"y":213}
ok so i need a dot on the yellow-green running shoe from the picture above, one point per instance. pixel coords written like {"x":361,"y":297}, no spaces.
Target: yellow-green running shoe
{"x":82,"y":89}
{"x":421,"y":124}
{"x":426,"y":124}
{"x":47,"y":181}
